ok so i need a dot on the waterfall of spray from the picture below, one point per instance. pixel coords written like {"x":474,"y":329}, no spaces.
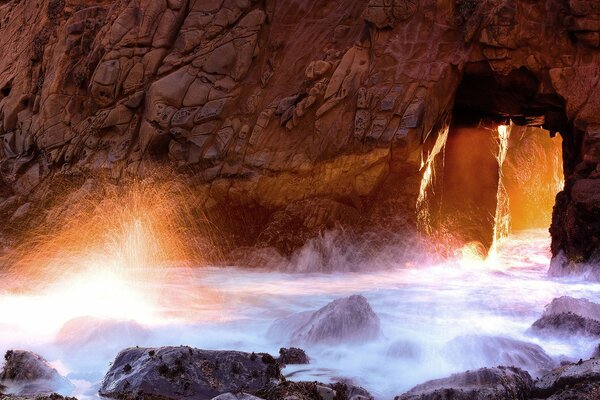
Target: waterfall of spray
{"x":502,"y":215}
{"x":428,"y":168}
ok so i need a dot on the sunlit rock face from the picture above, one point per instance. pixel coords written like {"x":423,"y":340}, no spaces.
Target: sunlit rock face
{"x":263,"y":105}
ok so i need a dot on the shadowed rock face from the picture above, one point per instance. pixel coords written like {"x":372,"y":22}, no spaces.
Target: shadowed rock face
{"x":329,"y":104}
{"x":483,"y":384}
{"x":349,"y":319}
{"x":177,"y":372}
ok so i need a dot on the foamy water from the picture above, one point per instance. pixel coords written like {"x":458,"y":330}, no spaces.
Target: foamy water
{"x":421,"y":307}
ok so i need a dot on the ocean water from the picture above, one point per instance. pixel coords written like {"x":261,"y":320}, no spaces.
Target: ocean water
{"x":430,"y":311}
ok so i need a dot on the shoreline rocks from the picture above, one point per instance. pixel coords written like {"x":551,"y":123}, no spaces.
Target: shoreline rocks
{"x":177,"y":372}
{"x":28,"y":374}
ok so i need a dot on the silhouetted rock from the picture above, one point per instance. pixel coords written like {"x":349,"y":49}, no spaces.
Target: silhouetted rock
{"x":566,"y":316}
{"x":29,"y":374}
{"x":500,"y":383}
{"x":292,"y":356}
{"x":177,"y":372}
{"x":349,"y":319}
{"x":495,"y":350}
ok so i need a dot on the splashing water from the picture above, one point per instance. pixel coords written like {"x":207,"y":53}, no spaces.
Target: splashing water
{"x":423,"y":309}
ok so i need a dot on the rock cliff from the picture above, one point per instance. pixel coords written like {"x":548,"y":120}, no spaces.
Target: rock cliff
{"x":295,"y":115}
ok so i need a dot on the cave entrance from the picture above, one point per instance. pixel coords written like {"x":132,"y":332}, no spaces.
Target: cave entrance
{"x":502,"y":164}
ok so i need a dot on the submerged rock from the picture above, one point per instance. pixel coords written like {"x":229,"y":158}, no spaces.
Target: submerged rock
{"x":477,"y":350}
{"x":178,"y":372}
{"x":349,"y":319}
{"x":500,"y":383}
{"x":292,"y":356}
{"x":569,"y":316}
{"x":29,"y":374}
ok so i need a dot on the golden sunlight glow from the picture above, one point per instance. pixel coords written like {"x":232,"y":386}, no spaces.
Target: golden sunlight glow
{"x":502,"y":216}
{"x":423,"y":213}
{"x":98,"y":250}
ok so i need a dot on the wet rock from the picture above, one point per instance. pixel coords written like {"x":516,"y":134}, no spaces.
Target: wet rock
{"x":236,"y":396}
{"x":176,"y":372}
{"x":566,"y":316}
{"x":498,"y":383}
{"x":289,"y":390}
{"x":349,"y":319}
{"x":292,"y":355}
{"x":477,"y":350}
{"x":29,"y":374}
{"x":579,"y":381}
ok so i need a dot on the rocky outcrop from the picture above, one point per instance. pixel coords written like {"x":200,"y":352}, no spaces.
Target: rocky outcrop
{"x":483,"y":384}
{"x":567,"y":316}
{"x":579,"y":381}
{"x":349,"y":319}
{"x":288,"y":112}
{"x":178,"y":372}
{"x":27,"y":374}
{"x":292,"y":355}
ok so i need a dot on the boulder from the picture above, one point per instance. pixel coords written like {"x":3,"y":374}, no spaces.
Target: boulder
{"x":349,"y":319}
{"x":236,"y":396}
{"x":289,"y":390}
{"x":292,"y":356}
{"x":500,"y":383}
{"x":566,"y":316}
{"x":580,"y":381}
{"x":29,"y":374}
{"x":177,"y":372}
{"x":479,"y":350}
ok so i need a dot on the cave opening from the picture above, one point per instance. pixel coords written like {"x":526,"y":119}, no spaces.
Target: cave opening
{"x":502,"y":163}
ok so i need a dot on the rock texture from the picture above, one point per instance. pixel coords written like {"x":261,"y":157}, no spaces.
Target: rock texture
{"x":305,"y":112}
{"x":179,"y":372}
{"x":28,"y":374}
{"x":349,"y":319}
{"x":573,"y":381}
{"x":483,"y":384}
{"x":567,"y":316}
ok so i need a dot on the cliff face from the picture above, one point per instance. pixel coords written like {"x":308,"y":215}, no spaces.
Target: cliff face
{"x":306,"y":112}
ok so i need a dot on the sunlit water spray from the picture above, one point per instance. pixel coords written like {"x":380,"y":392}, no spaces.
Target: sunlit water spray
{"x":422,"y":308}
{"x":502,"y":214}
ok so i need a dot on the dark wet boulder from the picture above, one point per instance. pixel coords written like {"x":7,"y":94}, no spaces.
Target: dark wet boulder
{"x":28,"y":374}
{"x":236,"y":396}
{"x":314,"y":391}
{"x":580,"y":380}
{"x":477,"y":350}
{"x":292,"y":356}
{"x":500,"y":383}
{"x":567,"y":316}
{"x":349,"y":319}
{"x":181,"y":372}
